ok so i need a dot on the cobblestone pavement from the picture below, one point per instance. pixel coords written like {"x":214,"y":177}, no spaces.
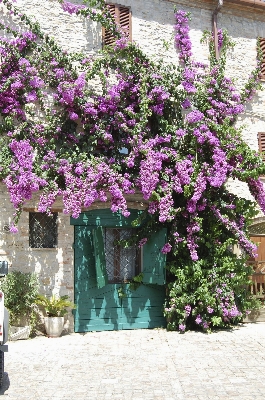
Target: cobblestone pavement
{"x":140,"y":364}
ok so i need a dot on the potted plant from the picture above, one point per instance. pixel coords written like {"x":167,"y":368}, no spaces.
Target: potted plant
{"x":55,"y":308}
{"x":21,"y":290}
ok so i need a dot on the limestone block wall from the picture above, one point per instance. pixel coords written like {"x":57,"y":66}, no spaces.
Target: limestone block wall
{"x":54,"y":267}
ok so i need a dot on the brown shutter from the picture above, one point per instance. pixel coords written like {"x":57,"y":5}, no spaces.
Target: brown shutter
{"x":262,"y":45}
{"x":107,"y":35}
{"x":122,"y":17}
{"x":125,"y":21}
{"x":261,"y":139}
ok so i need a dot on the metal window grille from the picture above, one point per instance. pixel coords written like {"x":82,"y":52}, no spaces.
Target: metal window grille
{"x":42,"y":230}
{"x":122,"y":264}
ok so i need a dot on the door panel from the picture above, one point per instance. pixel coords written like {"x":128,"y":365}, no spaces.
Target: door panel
{"x":101,"y":309}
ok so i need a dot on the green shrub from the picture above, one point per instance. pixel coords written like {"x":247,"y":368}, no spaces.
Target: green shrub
{"x":21,"y":290}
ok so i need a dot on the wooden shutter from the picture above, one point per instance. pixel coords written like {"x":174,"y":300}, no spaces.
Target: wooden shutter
{"x":262,"y":45}
{"x":261,"y":140}
{"x":108,"y":38}
{"x":125,"y":21}
{"x":154,"y":261}
{"x":100,"y":260}
{"x":122,"y":16}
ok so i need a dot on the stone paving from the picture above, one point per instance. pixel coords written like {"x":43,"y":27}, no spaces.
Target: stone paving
{"x":138,"y":365}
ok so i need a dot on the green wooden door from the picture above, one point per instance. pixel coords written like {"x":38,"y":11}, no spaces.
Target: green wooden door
{"x":99,"y":306}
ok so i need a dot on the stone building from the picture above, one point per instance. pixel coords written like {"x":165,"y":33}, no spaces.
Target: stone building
{"x":152,"y":23}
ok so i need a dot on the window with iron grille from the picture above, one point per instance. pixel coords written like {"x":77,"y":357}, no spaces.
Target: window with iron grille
{"x":122,"y":16}
{"x":262,"y":46}
{"x":122,"y":263}
{"x":42,"y":230}
{"x":96,"y":243}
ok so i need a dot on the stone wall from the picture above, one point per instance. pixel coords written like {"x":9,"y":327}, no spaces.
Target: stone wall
{"x":152,"y":25}
{"x":54,"y":267}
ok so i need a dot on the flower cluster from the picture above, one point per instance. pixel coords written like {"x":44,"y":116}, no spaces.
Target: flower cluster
{"x":71,"y":8}
{"x":226,"y":300}
{"x":22,"y":181}
{"x":182,"y":39}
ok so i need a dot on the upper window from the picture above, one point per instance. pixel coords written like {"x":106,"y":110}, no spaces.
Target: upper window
{"x":122,"y":16}
{"x":262,"y":45}
{"x":42,"y":230}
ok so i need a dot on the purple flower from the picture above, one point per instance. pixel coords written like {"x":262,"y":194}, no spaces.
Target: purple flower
{"x":13,"y":229}
{"x":22,"y":181}
{"x":32,"y":96}
{"x":17,"y":85}
{"x":73,"y":116}
{"x":186,"y":104}
{"x":182,"y":39}
{"x":23,"y":62}
{"x":90,"y":109}
{"x":142,"y":242}
{"x":180,"y":133}
{"x":189,"y":87}
{"x":257,"y":190}
{"x":121,"y":43}
{"x":79,"y":170}
{"x":166,"y":248}
{"x":198,"y":319}
{"x":187,"y":310}
{"x":36,"y":82}
{"x":220,"y":38}
{"x":70,"y":7}
{"x":194,"y":116}
{"x":246,"y":244}
{"x":205,"y":325}
{"x":182,"y":327}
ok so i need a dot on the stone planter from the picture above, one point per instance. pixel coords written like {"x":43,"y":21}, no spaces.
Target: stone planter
{"x":19,"y":332}
{"x":54,"y":326}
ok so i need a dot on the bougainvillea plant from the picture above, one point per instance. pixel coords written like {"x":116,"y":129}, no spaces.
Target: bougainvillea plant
{"x":166,"y":131}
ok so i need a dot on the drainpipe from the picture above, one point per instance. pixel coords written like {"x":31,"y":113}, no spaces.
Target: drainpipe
{"x":214,"y":20}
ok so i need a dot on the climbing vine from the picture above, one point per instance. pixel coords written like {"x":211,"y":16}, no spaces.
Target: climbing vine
{"x":166,"y":131}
